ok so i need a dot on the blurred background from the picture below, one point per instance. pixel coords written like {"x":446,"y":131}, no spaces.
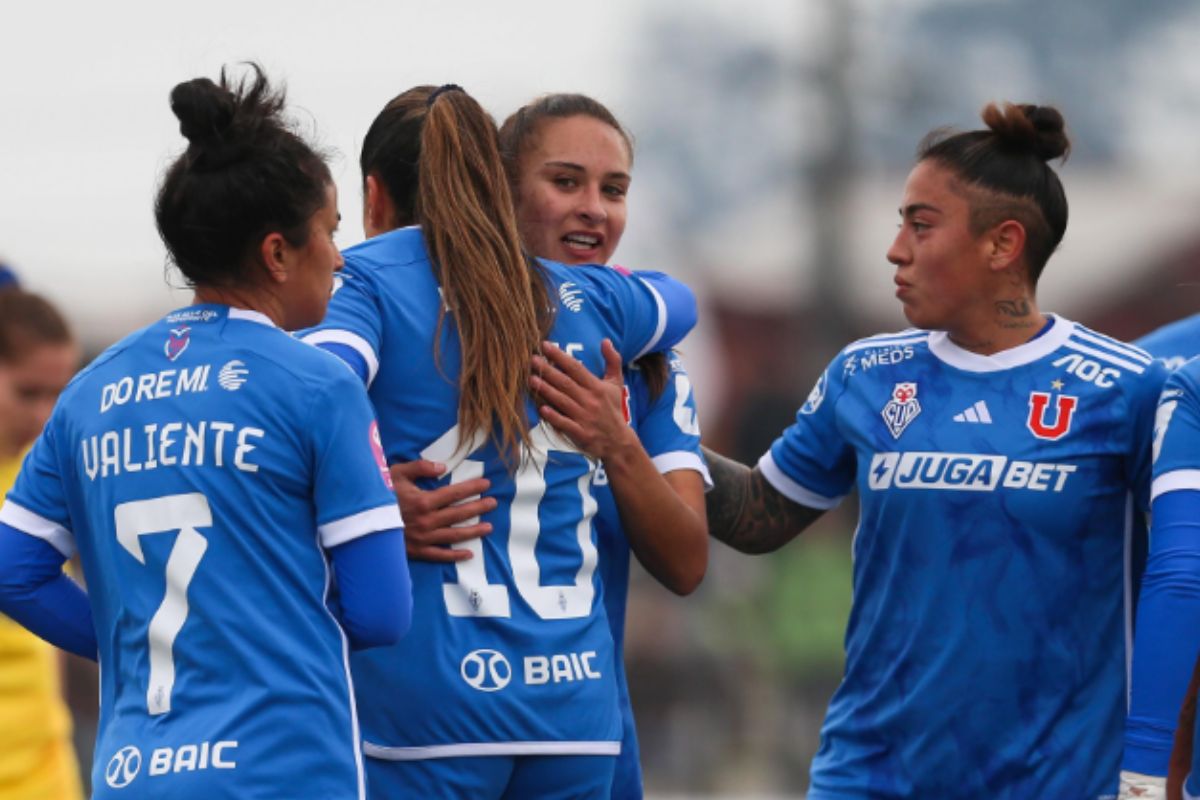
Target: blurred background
{"x":773,"y":138}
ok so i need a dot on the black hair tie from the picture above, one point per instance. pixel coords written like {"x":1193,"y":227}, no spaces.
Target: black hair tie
{"x":445,"y":87}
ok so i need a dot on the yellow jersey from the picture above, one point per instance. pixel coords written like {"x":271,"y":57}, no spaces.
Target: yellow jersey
{"x":37,"y":760}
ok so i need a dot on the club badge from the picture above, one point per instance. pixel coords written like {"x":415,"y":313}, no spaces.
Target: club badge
{"x":177,"y":341}
{"x":902,"y":409}
{"x":1039,"y":407}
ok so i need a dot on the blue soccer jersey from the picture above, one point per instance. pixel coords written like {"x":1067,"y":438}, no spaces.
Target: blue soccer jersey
{"x":986,"y":651}
{"x":1175,"y":343}
{"x":669,"y":430}
{"x":200,"y":471}
{"x":510,"y":652}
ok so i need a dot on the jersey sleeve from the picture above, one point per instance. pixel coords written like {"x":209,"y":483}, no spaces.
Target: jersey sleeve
{"x":1176,"y":445}
{"x":649,"y":311}
{"x":37,"y":504}
{"x":811,"y":463}
{"x":352,"y":487}
{"x":670,"y":428}
{"x":353,"y":322}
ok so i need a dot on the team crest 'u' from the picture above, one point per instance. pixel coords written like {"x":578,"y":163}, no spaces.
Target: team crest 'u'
{"x":902,"y":408}
{"x":1040,"y":426}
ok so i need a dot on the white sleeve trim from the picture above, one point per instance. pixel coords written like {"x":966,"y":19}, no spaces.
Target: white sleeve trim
{"x":661,"y":305}
{"x":345,"y":529}
{"x":682,"y":459}
{"x":39,"y":527}
{"x":792,"y":490}
{"x":351,"y":340}
{"x":1175,"y":481}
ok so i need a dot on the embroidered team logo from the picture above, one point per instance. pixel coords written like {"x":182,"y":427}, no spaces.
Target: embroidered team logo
{"x":1045,"y":423}
{"x":377,"y":451}
{"x":902,"y":409}
{"x":177,"y":341}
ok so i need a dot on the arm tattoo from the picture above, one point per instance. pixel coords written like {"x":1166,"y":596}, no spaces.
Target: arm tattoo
{"x":747,"y":513}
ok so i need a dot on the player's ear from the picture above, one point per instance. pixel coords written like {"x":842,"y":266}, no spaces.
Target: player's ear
{"x":274,"y":251}
{"x":379,"y":212}
{"x":1006,"y":243}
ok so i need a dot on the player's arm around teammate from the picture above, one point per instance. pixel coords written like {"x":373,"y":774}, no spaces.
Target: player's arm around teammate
{"x":569,"y":162}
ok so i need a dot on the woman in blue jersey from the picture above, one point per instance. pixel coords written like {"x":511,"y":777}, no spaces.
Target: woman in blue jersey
{"x":506,"y":687}
{"x":569,"y":162}
{"x":212,"y":499}
{"x":999,"y":455}
{"x":1168,"y":617}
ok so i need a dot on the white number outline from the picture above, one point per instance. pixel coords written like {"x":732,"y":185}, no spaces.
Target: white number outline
{"x":685,"y":416}
{"x":471,"y":595}
{"x":176,"y":512}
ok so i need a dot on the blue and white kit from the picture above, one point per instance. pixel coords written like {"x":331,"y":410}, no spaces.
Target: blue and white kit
{"x":197,"y":471}
{"x":987,"y":646}
{"x":510,"y":653}
{"x":669,"y":430}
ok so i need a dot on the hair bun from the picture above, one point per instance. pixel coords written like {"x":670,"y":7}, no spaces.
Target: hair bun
{"x":204,"y":109}
{"x":1036,"y":129}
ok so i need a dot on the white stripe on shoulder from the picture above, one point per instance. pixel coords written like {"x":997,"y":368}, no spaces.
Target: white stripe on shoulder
{"x":352,"y":340}
{"x":1175,"y":481}
{"x":340,"y":531}
{"x":912,"y":336}
{"x":1130,"y":351}
{"x":661,"y":327}
{"x":1104,"y":355}
{"x":683,"y":459}
{"x":586,"y":748}
{"x":39,"y":527}
{"x":791,"y":489}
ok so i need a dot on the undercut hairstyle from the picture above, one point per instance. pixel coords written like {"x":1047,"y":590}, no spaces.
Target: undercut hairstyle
{"x":28,"y":320}
{"x":1006,"y":174}
{"x":519,"y":134}
{"x":435,"y":152}
{"x":245,"y":174}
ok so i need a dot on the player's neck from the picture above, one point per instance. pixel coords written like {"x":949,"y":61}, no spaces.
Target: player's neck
{"x":251,"y":299}
{"x":1005,"y":324}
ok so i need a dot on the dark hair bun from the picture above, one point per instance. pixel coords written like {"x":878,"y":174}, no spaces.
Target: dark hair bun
{"x":1036,"y":129}
{"x":204,"y":109}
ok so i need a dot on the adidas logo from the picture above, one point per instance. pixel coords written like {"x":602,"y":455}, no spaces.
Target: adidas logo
{"x":976,"y":413}
{"x":571,"y":296}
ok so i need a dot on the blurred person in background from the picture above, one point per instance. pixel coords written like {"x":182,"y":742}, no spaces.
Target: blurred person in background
{"x":1000,"y":455}
{"x":38,"y":356}
{"x":1175,"y":343}
{"x":506,"y":687}
{"x":212,"y":498}
{"x":569,"y":162}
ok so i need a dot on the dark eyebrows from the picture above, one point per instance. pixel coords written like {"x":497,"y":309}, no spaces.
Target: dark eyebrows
{"x":909,"y":210}
{"x":571,"y":165}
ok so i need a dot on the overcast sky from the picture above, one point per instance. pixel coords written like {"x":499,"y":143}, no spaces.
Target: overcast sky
{"x":86,"y":130}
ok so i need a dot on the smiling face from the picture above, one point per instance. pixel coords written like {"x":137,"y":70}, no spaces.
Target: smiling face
{"x":571,"y":190}
{"x":942,"y":274}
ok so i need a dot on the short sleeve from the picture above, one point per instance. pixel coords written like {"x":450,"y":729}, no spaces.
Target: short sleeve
{"x":650,"y":310}
{"x":812,"y":463}
{"x":670,"y":428}
{"x":1176,"y":444}
{"x":37,"y":504}
{"x":352,"y":487}
{"x":353,"y":318}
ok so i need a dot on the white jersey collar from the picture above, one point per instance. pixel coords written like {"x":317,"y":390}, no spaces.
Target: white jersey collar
{"x":1040,"y":347}
{"x":251,"y":316}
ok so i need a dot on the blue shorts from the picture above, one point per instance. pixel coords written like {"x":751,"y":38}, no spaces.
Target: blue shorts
{"x":492,"y":778}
